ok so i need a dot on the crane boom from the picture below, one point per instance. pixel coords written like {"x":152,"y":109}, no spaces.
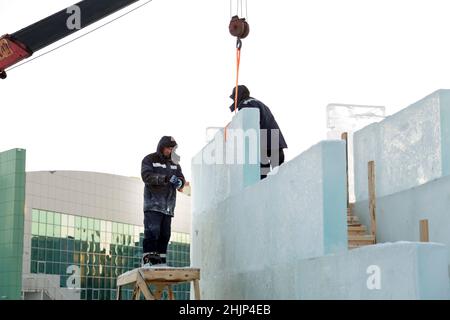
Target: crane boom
{"x":23,"y":43}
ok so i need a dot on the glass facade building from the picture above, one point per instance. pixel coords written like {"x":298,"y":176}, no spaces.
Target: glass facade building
{"x":89,"y":254}
{"x":12,"y":202}
{"x":70,"y":234}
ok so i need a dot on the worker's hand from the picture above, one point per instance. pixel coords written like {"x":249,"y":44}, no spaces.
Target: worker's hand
{"x":176,"y":182}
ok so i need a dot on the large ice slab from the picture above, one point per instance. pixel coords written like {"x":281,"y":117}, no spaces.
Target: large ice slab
{"x":403,"y":270}
{"x":228,"y":163}
{"x":409,"y":148}
{"x":398,"y":215}
{"x":300,"y":212}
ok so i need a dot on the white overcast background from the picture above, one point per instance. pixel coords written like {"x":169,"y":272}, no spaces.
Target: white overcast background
{"x":102,"y":102}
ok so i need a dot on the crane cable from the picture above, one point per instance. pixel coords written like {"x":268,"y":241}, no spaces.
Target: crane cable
{"x":240,"y":29}
{"x":81,"y":36}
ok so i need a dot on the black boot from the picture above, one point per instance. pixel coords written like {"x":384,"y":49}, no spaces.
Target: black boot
{"x":150,"y":258}
{"x":163,"y":260}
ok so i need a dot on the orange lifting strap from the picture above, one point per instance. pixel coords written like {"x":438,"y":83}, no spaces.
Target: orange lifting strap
{"x":238,"y":63}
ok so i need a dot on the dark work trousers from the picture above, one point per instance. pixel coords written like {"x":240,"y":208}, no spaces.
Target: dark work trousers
{"x":156,"y":232}
{"x":268,"y":160}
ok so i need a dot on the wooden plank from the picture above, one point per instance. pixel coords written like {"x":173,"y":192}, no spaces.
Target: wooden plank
{"x":196,"y":290}
{"x":158,"y":291}
{"x":143,"y":286}
{"x":127,"y":278}
{"x":160,"y":274}
{"x":118,"y":292}
{"x":372,"y":200}
{"x":136,"y":293}
{"x":171,"y":297}
{"x":344,"y":137}
{"x":170,"y":274}
{"x":424,"y":235}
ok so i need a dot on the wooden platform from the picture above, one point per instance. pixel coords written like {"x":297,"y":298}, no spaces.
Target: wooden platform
{"x":161,"y":278}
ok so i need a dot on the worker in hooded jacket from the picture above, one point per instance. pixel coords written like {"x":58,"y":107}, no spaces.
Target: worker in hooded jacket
{"x":272,"y":139}
{"x":162,"y":176}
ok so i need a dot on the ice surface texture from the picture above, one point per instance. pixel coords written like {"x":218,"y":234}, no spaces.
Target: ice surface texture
{"x":409,"y":148}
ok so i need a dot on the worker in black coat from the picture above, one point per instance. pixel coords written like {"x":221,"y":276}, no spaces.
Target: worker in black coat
{"x":162,"y":176}
{"x":271,"y":155}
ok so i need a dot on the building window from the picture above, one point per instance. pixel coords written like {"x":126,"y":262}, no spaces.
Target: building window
{"x":101,"y":249}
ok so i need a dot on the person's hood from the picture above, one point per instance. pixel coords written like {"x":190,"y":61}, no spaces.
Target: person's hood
{"x":165,"y":142}
{"x":243,"y":94}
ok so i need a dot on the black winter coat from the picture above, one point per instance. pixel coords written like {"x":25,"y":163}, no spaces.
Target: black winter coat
{"x":156,"y":170}
{"x":266,"y":119}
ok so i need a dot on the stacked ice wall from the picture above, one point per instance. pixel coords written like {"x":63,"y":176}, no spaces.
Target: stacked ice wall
{"x":411,"y":150}
{"x":285,"y":237}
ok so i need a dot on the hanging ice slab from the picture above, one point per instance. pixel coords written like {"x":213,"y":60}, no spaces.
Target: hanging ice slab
{"x":409,"y":148}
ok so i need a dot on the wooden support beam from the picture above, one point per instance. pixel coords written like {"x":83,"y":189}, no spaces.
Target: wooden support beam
{"x":196,"y":289}
{"x":143,"y":286}
{"x":171,"y":297}
{"x":344,"y":137}
{"x":372,"y":200}
{"x":118,"y":292}
{"x":424,"y":235}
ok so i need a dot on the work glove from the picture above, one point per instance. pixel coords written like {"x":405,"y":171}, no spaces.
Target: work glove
{"x":176,"y":182}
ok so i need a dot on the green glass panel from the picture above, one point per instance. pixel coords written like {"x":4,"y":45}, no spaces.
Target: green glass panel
{"x":77,"y":234}
{"x":41,"y":266}
{"x":49,"y":232}
{"x":57,"y":219}
{"x":90,"y":223}
{"x":42,"y":216}
{"x":49,"y":243}
{"x":97,"y":225}
{"x":84,"y":235}
{"x":42,"y":229}
{"x":35,"y":228}
{"x":48,"y":267}
{"x":57,"y":256}
{"x":120,"y":228}
{"x":57,"y":231}
{"x":41,"y":254}
{"x":34,"y":242}
{"x":78,"y":222}
{"x":84,"y":222}
{"x":63,"y":232}
{"x":35,"y":215}
{"x":73,"y":221}
{"x":50,"y":217}
{"x":64,"y":219}
{"x":70,"y":232}
{"x":33,"y":268}
{"x":34,"y":254}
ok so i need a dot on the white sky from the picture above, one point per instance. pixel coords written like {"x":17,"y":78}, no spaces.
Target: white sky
{"x":102,"y":102}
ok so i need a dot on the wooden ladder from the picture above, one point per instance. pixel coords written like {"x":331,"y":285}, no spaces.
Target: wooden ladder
{"x":358,"y":235}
